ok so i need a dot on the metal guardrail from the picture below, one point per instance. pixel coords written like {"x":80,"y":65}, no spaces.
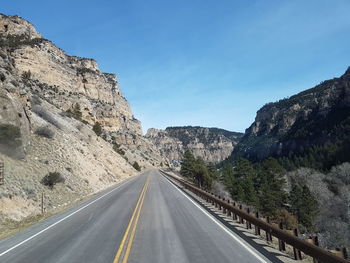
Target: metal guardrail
{"x":319,"y":254}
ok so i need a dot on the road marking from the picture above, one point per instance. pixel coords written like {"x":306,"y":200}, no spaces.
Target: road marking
{"x":66,"y":217}
{"x":233,"y":235}
{"x":120,"y":249}
{"x":127,"y":252}
{"x":136,"y":212}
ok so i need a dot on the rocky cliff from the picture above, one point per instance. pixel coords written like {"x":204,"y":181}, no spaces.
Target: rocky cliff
{"x":211,"y":144}
{"x":68,"y":82}
{"x":49,"y":104}
{"x":309,"y":123}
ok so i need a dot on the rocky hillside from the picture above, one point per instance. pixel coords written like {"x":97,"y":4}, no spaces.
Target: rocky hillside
{"x":311,"y":128}
{"x":60,"y":114}
{"x":211,"y":144}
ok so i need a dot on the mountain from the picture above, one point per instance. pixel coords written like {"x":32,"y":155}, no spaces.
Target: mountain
{"x":309,"y":135}
{"x":60,"y":115}
{"x":311,"y":128}
{"x":211,"y":144}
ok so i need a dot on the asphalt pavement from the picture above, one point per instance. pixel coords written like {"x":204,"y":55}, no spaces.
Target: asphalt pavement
{"x":145,"y":219}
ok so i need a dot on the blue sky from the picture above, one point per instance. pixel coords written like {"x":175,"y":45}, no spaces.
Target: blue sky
{"x":201,"y":62}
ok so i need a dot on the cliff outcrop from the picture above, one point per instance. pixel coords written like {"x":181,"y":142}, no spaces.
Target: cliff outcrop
{"x":49,"y":105}
{"x":211,"y":144}
{"x":309,"y":127}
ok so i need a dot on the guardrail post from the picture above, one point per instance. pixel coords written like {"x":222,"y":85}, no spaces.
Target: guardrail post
{"x":234,"y":216}
{"x":42,"y":203}
{"x":249,"y":225}
{"x":268,"y":234}
{"x":345,"y":253}
{"x":296,"y":252}
{"x":315,"y":241}
{"x":281,"y":244}
{"x":223,"y":208}
{"x":257,"y":229}
{"x":228,"y":210}
{"x":241,"y":220}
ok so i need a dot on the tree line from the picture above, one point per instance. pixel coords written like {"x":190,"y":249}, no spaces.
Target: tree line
{"x":196,"y":170}
{"x":261,"y":185}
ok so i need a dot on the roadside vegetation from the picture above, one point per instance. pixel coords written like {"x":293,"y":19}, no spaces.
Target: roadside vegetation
{"x":263,"y":186}
{"x":97,"y":128}
{"x":196,"y":170}
{"x":52,"y":178}
{"x":260,"y":185}
{"x":307,"y":199}
{"x":136,"y":166}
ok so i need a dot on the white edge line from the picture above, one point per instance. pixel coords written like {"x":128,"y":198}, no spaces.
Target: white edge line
{"x":233,"y":235}
{"x":59,"y":221}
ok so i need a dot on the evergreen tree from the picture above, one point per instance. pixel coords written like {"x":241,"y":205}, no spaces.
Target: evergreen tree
{"x":97,"y":128}
{"x":304,"y":205}
{"x":187,"y":163}
{"x":198,"y":171}
{"x":270,"y":184}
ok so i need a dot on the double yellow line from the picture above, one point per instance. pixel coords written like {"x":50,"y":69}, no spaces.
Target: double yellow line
{"x":132,"y":224}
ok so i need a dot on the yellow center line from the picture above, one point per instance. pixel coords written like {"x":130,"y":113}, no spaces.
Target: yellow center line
{"x":120,"y":249}
{"x":125,"y":259}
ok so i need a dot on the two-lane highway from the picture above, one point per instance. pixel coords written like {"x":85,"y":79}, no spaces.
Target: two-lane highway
{"x":146,"y":219}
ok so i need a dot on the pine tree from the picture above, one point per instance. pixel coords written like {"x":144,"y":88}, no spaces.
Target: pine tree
{"x":187,"y":164}
{"x":270,"y":185}
{"x":303,"y":204}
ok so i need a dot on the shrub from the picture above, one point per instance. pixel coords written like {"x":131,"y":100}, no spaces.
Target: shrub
{"x":97,"y":128}
{"x":10,"y":135}
{"x":26,"y":74}
{"x":136,"y":166}
{"x":2,"y":77}
{"x":121,"y":151}
{"x":116,"y":147}
{"x":45,"y":131}
{"x":286,"y":218}
{"x":52,"y":178}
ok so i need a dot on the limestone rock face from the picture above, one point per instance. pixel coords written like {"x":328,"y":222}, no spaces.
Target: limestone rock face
{"x":211,"y":144}
{"x":304,"y":120}
{"x":67,"y":82}
{"x":15,"y":25}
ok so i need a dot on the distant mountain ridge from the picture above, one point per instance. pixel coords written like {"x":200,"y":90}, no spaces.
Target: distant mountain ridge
{"x":312,"y":124}
{"x":211,"y":144}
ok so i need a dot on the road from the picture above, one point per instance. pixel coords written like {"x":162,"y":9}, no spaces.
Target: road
{"x":146,"y":219}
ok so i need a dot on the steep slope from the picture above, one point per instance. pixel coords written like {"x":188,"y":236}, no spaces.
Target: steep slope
{"x":211,"y":144}
{"x":49,"y":104}
{"x":312,"y":124}
{"x":69,"y":82}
